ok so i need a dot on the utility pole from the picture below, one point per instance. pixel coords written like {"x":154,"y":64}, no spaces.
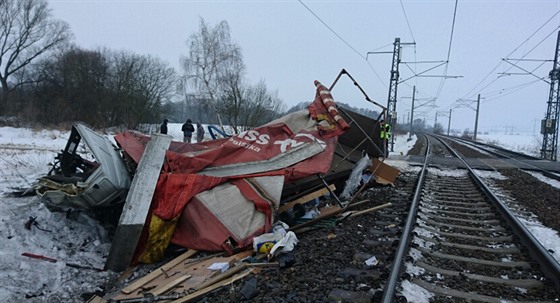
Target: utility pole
{"x":465,"y":102}
{"x":412,"y":113}
{"x":394,"y":81}
{"x":549,"y":125}
{"x":435,"y":121}
{"x":449,"y":122}
{"x":476,"y":119}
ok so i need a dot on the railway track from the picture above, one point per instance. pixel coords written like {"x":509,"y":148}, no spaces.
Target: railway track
{"x":462,"y":245}
{"x":523,"y":161}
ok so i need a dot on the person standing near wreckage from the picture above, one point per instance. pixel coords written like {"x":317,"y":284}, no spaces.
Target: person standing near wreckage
{"x":163,"y":127}
{"x":199,"y":132}
{"x":187,"y":129}
{"x":384,"y":135}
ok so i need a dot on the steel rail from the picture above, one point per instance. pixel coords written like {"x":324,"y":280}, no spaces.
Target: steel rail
{"x":549,"y":266}
{"x":390,"y":286}
{"x":492,"y":150}
{"x":495,"y":147}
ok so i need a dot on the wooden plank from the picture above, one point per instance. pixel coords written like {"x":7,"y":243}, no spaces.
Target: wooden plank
{"x":158,"y":272}
{"x":370,"y":209}
{"x":178,"y":267}
{"x":166,"y":288}
{"x":206,"y":290}
{"x":137,"y":204}
{"x":306,"y":198}
{"x":96,"y":299}
{"x":230,"y":272}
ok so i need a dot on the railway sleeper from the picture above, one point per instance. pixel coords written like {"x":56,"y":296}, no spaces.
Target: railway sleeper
{"x":485,"y":229}
{"x":496,"y":250}
{"x":458,"y":214}
{"x":512,"y":264}
{"x":478,"y":238}
{"x":471,"y":296}
{"x":467,"y":210}
{"x":470,"y":203}
{"x":523,"y":283}
{"x":469,"y":221}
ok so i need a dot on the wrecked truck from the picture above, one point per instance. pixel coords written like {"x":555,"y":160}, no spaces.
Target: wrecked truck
{"x":215,"y":195}
{"x":78,"y":183}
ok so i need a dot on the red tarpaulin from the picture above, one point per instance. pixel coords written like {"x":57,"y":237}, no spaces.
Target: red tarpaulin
{"x":296,"y":146}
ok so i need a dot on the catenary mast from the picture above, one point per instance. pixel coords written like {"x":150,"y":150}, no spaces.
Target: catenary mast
{"x":549,"y":125}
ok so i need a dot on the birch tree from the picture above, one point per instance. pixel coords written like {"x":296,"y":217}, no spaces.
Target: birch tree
{"x":212,"y":59}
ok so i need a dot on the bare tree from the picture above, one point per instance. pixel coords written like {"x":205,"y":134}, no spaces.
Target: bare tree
{"x":100,"y":87}
{"x":141,"y":85}
{"x":251,"y":106}
{"x":27,"y":32}
{"x":213,"y":58}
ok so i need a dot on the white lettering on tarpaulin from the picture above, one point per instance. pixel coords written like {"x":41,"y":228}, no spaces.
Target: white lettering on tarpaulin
{"x":261,"y":139}
{"x":284,"y":144}
{"x":254,"y":136}
{"x":245,"y":145}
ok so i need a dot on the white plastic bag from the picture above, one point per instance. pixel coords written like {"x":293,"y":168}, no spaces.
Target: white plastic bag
{"x":355,"y":177}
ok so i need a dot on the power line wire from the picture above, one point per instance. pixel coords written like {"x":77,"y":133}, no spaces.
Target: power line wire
{"x":446,"y":68}
{"x":496,"y":79}
{"x":513,"y":51}
{"x":342,"y":39}
{"x":408,"y":23}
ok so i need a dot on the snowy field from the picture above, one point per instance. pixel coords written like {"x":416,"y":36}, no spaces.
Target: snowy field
{"x":78,"y":241}
{"x":529,"y":144}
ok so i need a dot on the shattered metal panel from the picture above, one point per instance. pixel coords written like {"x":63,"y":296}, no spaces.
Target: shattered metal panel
{"x":106,"y":184}
{"x":105,"y":154}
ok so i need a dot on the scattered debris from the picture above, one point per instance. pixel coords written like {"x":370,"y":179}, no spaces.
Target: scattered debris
{"x":52,"y":260}
{"x":255,"y":189}
{"x":250,"y":290}
{"x":372,"y":261}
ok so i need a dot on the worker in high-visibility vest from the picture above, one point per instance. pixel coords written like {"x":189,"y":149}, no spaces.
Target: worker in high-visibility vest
{"x":385,"y":135}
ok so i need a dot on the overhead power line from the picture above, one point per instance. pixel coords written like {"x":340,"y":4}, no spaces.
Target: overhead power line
{"x":496,"y":79}
{"x":411,"y":34}
{"x":342,"y":39}
{"x":446,"y":68}
{"x":408,"y":23}
{"x":513,"y":51}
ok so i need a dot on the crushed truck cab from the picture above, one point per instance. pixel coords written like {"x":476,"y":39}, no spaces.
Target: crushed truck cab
{"x":77,"y":183}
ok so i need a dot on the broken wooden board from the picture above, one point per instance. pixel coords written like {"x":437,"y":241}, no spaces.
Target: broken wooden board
{"x":158,"y":272}
{"x":172,"y":276}
{"x":137,"y":204}
{"x":96,"y":299}
{"x":326,"y":212}
{"x":369,"y":210}
{"x":384,"y":174}
{"x":306,"y":198}
{"x":215,"y":286}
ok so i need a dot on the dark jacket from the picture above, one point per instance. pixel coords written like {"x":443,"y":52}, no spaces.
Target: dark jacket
{"x":187,"y":129}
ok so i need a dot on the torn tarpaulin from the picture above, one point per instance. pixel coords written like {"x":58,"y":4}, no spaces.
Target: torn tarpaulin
{"x":298,"y":145}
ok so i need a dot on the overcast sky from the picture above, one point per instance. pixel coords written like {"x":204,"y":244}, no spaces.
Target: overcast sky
{"x":287,"y":44}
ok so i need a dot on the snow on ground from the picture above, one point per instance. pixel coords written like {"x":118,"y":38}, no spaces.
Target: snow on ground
{"x":542,"y":178}
{"x":525,"y":143}
{"x":401,"y":146}
{"x":550,"y":239}
{"x":77,"y":239}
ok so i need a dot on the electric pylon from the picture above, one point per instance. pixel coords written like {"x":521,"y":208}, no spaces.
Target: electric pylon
{"x":392,"y":99}
{"x":549,"y":125}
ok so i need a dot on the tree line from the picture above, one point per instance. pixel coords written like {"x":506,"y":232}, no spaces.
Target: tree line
{"x":47,"y":80}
